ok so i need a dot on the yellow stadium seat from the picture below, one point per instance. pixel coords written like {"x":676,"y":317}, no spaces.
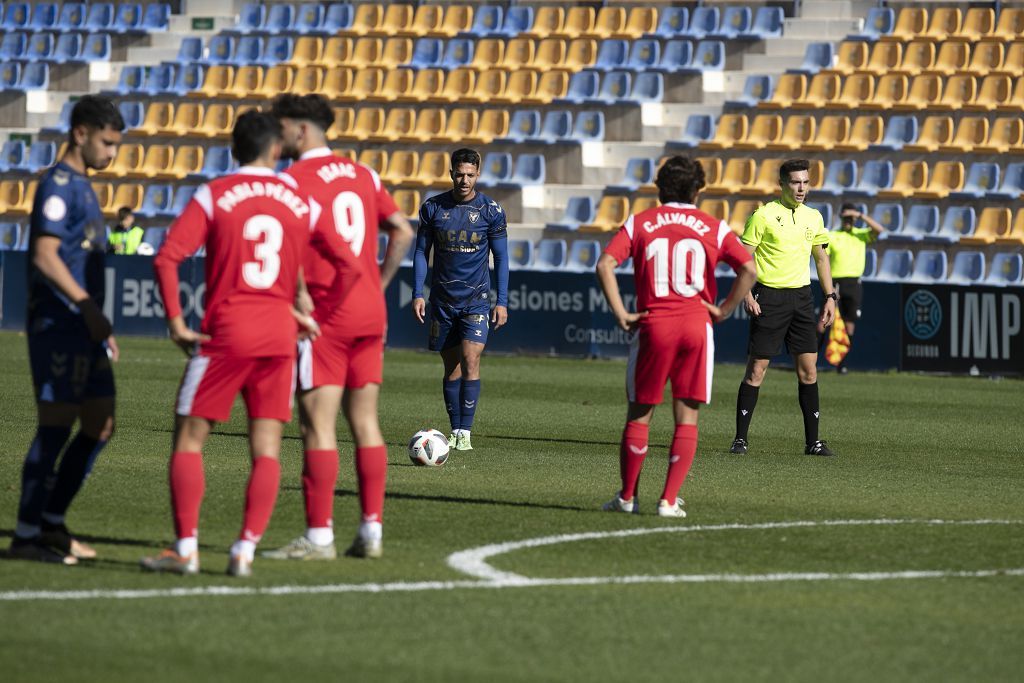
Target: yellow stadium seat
{"x":367,"y":20}
{"x":218,"y":120}
{"x":737,"y":173}
{"x":493,"y":124}
{"x":995,"y":91}
{"x":550,"y":86}
{"x":104,"y":195}
{"x":979,"y":22}
{"x":852,"y":55}
{"x":278,"y":79}
{"x":642,"y":204}
{"x":953,"y":57}
{"x":127,"y":161}
{"x":1012,"y":237}
{"x":833,"y":130}
{"x":338,"y":51}
{"x":823,"y":91}
{"x":308,"y":80}
{"x":993,"y":222}
{"x":641,"y":21}
{"x":730,"y":129}
{"x":1010,"y":25}
{"x":918,"y":57}
{"x":910,"y":22}
{"x":402,"y":165}
{"x":489,"y":53}
{"x":551,"y":54}
{"x":457,"y":19}
{"x":891,"y":90}
{"x":428,"y":86}
{"x":764,"y":129}
{"x":1016,"y":103}
{"x":427,"y":20}
{"x":1005,"y":134}
{"x":945,"y":23}
{"x":960,"y":90}
{"x":936,"y":131}
{"x":337,"y":82}
{"x":925,"y":90}
{"x":581,"y":53}
{"x":398,"y":122}
{"x":767,"y":180}
{"x":611,"y":214}
{"x":430,"y":124}
{"x":519,"y":53}
{"x":12,"y":195}
{"x":885,"y":58}
{"x":188,"y":159}
{"x":367,"y":51}
{"x":460,"y":83}
{"x":217,"y":79}
{"x":308,"y":50}
{"x":248,"y":80}
{"x":377,"y":159}
{"x":461,"y":123}
{"x":857,"y":89}
{"x":986,"y":57}
{"x":789,"y":89}
{"x":797,"y":132}
{"x":369,"y":121}
{"x":741,"y":211}
{"x":519,"y":88}
{"x":433,"y":170}
{"x":547,"y":20}
{"x":157,"y":161}
{"x":971,"y":132}
{"x":187,"y":117}
{"x":865,"y":131}
{"x":1013,"y":64}
{"x":716,"y":208}
{"x":397,"y":52}
{"x":396,"y":85}
{"x":158,"y":118}
{"x":126,"y":194}
{"x":712,"y":169}
{"x":579,"y":22}
{"x":398,"y":19}
{"x":489,"y":86}
{"x":344,"y":119}
{"x":365,"y":84}
{"x":911,"y":178}
{"x":610,"y":22}
{"x":408,"y":202}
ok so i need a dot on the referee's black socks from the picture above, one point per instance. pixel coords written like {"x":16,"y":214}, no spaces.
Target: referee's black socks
{"x":745,"y":402}
{"x":809,"y":406}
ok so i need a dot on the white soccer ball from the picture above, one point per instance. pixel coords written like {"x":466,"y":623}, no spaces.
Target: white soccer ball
{"x":428,"y":447}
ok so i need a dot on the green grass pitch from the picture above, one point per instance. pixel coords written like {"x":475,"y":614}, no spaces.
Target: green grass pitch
{"x":847,"y":605}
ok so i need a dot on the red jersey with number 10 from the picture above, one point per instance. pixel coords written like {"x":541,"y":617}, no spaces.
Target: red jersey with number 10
{"x":355,"y":202}
{"x":675,"y":248}
{"x":257,"y":228}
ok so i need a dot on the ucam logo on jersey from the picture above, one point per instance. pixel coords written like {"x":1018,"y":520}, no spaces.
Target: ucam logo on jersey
{"x":975,"y":330}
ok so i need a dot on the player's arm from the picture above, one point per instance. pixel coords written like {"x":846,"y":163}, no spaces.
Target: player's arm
{"x":753,"y":232}
{"x":497,"y":239}
{"x":828,"y":311}
{"x":400,"y":237}
{"x":734,"y":253}
{"x":46,"y":258}
{"x":184,"y":237}
{"x":424,"y":242}
{"x":616,"y":252}
{"x":876,"y":227}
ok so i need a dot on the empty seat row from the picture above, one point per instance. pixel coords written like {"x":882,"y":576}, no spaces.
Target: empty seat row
{"x":933,"y":266}
{"x":163,"y":79}
{"x":433,"y":20}
{"x":17,"y":156}
{"x":189,"y":119}
{"x":915,"y":178}
{"x":956,"y":224}
{"x":24,"y":76}
{"x":57,"y":48}
{"x":918,"y":57}
{"x":92,"y":16}
{"x":13,"y":237}
{"x":882,"y":23}
{"x":237,"y":50}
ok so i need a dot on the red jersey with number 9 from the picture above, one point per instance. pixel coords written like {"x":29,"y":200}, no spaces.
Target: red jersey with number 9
{"x":257,"y":229}
{"x":675,"y":248}
{"x":355,"y":201}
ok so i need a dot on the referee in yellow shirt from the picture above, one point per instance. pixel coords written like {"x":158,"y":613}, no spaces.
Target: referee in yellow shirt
{"x":847,"y":252}
{"x":782,"y":235}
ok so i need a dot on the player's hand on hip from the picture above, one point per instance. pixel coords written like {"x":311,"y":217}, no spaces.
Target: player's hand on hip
{"x":187,"y":339}
{"x":113,"y":350}
{"x":499,"y":316}
{"x":828,"y":312}
{"x":304,"y":302}
{"x":419,"y":308}
{"x":716,"y":312}
{"x":97,"y":324}
{"x":308,"y":327}
{"x":630,"y":321}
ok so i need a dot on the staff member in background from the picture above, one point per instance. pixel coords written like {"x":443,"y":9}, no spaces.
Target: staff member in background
{"x":125,"y":237}
{"x":782,"y":235}
{"x":847,"y":249}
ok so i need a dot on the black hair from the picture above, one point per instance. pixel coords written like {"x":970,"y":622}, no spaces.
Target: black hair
{"x":465,"y":156}
{"x":254,"y":133}
{"x":94,"y":111}
{"x":679,"y":179}
{"x":123,"y":213}
{"x":313,"y":108}
{"x":847,"y":206}
{"x":791,"y":165}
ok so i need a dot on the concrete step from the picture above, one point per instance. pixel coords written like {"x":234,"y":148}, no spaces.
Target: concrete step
{"x":767,"y":64}
{"x":787,"y":46}
{"x":208,"y":8}
{"x":820,"y":29}
{"x":827,"y":9}
{"x":152,"y":55}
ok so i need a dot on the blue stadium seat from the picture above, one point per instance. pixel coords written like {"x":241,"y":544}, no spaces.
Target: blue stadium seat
{"x":929,"y":266}
{"x":160,"y":79}
{"x":583,"y":87}
{"x":896,"y":265}
{"x":757,"y":88}
{"x":524,"y":125}
{"x":530,"y":169}
{"x":182,"y":196}
{"x":157,"y":17}
{"x":97,"y":48}
{"x":279,"y":50}
{"x":583,"y":255}
{"x":44,"y":16}
{"x":41,"y":155}
{"x":12,"y":155}
{"x":703,"y":22}
{"x":825,"y":209}
{"x":10,"y":236}
{"x":487,"y":21}
{"x":128,"y":17}
{"x":279,"y":18}
{"x":518,"y":19}
{"x":35,"y":76}
{"x":708,"y":56}
{"x":578,"y":210}
{"x":248,"y":51}
{"x":339,"y":15}
{"x":40,"y":47}
{"x":188,"y":78}
{"x":520,"y":254}
{"x":216,"y":162}
{"x":154,"y":237}
{"x":459,"y":52}
{"x":612,"y":54}
{"x":768,"y":22}
{"x":69,"y":47}
{"x":190,"y":50}
{"x":496,"y":168}
{"x":648,"y":86}
{"x":890,"y":215}
{"x":308,"y":18}
{"x":968,"y":268}
{"x":982,"y":178}
{"x":10,"y":75}
{"x":699,"y":127}
{"x":672,"y":22}
{"x":250,"y":18}
{"x":615,"y":87}
{"x":870,"y":263}
{"x":72,"y":16}
{"x":157,"y":201}
{"x":627,"y":266}
{"x":557,"y":126}
{"x":736,"y":21}
{"x":817,"y":56}
{"x":551,"y":255}
{"x":957,"y":222}
{"x":880,"y":21}
{"x":221,"y":50}
{"x":1012,"y":185}
{"x":100,"y":16}
{"x":588,"y":127}
{"x":13,"y":46}
{"x":639,"y":171}
{"x":132,"y":112}
{"x":921,"y":220}
{"x":427,"y":53}
{"x":63,"y":119}
{"x":644,"y":54}
{"x":875,"y":175}
{"x":1007,"y":269}
{"x":16,"y":17}
{"x":899,"y":131}
{"x":840,"y":177}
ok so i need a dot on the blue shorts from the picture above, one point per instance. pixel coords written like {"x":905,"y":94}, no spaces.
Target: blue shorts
{"x":449,"y":326}
{"x":69,"y":368}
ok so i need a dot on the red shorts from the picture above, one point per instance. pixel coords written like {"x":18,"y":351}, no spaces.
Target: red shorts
{"x":211,"y":383}
{"x":344,"y":362}
{"x":678,"y":349}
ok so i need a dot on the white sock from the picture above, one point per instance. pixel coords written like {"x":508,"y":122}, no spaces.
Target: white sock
{"x":371,"y":531}
{"x":463,"y":432}
{"x":320,"y":535}
{"x":243,"y":549}
{"x":186,"y":546}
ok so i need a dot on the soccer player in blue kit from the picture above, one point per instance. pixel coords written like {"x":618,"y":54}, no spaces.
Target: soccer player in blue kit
{"x":70,"y":342}
{"x":463,"y":227}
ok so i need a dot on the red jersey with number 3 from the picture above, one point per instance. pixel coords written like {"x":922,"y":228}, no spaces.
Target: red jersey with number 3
{"x":675,"y":248}
{"x":257,"y":228}
{"x":355,"y":201}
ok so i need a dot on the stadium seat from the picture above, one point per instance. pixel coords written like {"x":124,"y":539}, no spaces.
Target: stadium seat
{"x":187,"y":117}
{"x":612,"y":54}
{"x":909,"y":24}
{"x":158,"y":118}
{"x":547,"y":20}
{"x":495,"y":168}
{"x":870,"y":263}
{"x":402,"y":164}
{"x":886,"y":57}
{"x":958,"y":223}
{"x":1016,"y":102}
{"x":583,"y":255}
{"x":1015,"y":235}
{"x":709,"y":55}
{"x":730,"y":129}
{"x":699,"y":128}
{"x":764,"y":129}
{"x":72,"y":16}
{"x":757,"y":88}
{"x":221,"y":49}
{"x":551,"y":254}
{"x":968,"y":268}
{"x":768,"y":22}
{"x":896,"y":265}
{"x":520,"y":254}
{"x":337,"y":17}
{"x":716,"y":208}
{"x":40,"y":47}
{"x":217,"y":162}
{"x":309,"y":50}
{"x":639,"y":171}
{"x":797,"y":132}
{"x":648,"y":86}
{"x":408,"y":202}
{"x":1011,"y":187}
{"x":579,"y":21}
{"x":530,"y":169}
{"x":217,"y":80}
{"x":127,"y":17}
{"x":41,"y":155}
{"x":1010,"y":25}
{"x":127,"y":161}
{"x":817,"y":56}
{"x":851,"y":56}
{"x":994,"y":222}
{"x":367,"y":19}
{"x":736,"y":174}
{"x":890,"y":215}
{"x":427,"y":53}
{"x":995,"y":92}
{"x":10,"y":76}
{"x":615,"y":87}
{"x":1007,"y":268}
{"x":736,"y":21}
{"x":1005,"y":133}
{"x":156,"y":17}
{"x":880,"y":21}
{"x":921,"y":220}
{"x":739,"y":212}
{"x":518,"y":20}
{"x":248,"y":50}
{"x":960,"y":90}
{"x":190,"y":77}
{"x":156,"y":201}
{"x":188,"y":160}
{"x":457,"y":54}
{"x":157,"y":160}
{"x":840,"y":178}
{"x":10,"y":236}
{"x":524,"y":125}
{"x":704,"y":21}
{"x":986,"y":57}
{"x":12,"y":155}
{"x":611,"y":214}
{"x":971,"y":132}
{"x":218,"y":119}
{"x":676,"y":57}
{"x":432,"y":171}
{"x":982,"y":178}
{"x":943,"y":24}
{"x":588,"y":126}
{"x":487,"y":21}
{"x":929,"y":266}
{"x":494,"y":123}
{"x":17,"y":16}
{"x":307,"y":18}
{"x":790,"y":88}
{"x":876,"y":175}
{"x":641,"y":21}
{"x":672,"y":22}
{"x":936,"y":132}
{"x":340,"y":51}
{"x":766,"y":182}
{"x":832,"y":131}
{"x":911,"y":179}
{"x":13,"y":46}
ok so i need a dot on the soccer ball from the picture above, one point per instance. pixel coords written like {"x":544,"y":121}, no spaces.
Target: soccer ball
{"x":428,"y":447}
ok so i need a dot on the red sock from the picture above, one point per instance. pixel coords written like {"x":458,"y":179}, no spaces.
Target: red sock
{"x":680,"y":457}
{"x":372,"y":473}
{"x":631,"y":456}
{"x":319,"y":475}
{"x":187,"y":486}
{"x":260,"y":496}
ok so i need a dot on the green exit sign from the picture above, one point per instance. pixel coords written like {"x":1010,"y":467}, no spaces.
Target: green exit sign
{"x":202,"y":23}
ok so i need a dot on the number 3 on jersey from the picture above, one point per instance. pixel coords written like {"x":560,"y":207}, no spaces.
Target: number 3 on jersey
{"x":268,"y":234}
{"x":350,"y":219}
{"x":686,"y":274}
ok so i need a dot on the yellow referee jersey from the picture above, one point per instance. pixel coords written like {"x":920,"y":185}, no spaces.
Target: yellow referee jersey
{"x":783,"y":238}
{"x":847,"y":251}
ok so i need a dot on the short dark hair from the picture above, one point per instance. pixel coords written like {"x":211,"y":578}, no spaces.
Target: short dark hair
{"x":254,"y":133}
{"x":465,"y":156}
{"x":123,"y":213}
{"x":679,"y":179}
{"x":312,"y":107}
{"x":847,"y":206}
{"x":95,"y":111}
{"x":790,"y":165}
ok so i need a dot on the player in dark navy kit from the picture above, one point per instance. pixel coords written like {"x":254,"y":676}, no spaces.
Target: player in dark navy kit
{"x":463,"y":227}
{"x":70,"y":342}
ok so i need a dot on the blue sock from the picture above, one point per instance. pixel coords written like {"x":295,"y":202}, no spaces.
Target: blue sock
{"x":451,"y":402}
{"x":35,"y":474}
{"x":470,"y":397}
{"x":74,"y":468}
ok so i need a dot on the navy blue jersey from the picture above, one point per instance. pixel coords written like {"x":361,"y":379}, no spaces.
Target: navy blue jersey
{"x":461,"y":236}
{"x":66,"y":207}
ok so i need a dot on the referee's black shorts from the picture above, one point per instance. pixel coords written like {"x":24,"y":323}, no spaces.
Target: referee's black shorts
{"x":786,"y":315}
{"x":850,"y":296}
